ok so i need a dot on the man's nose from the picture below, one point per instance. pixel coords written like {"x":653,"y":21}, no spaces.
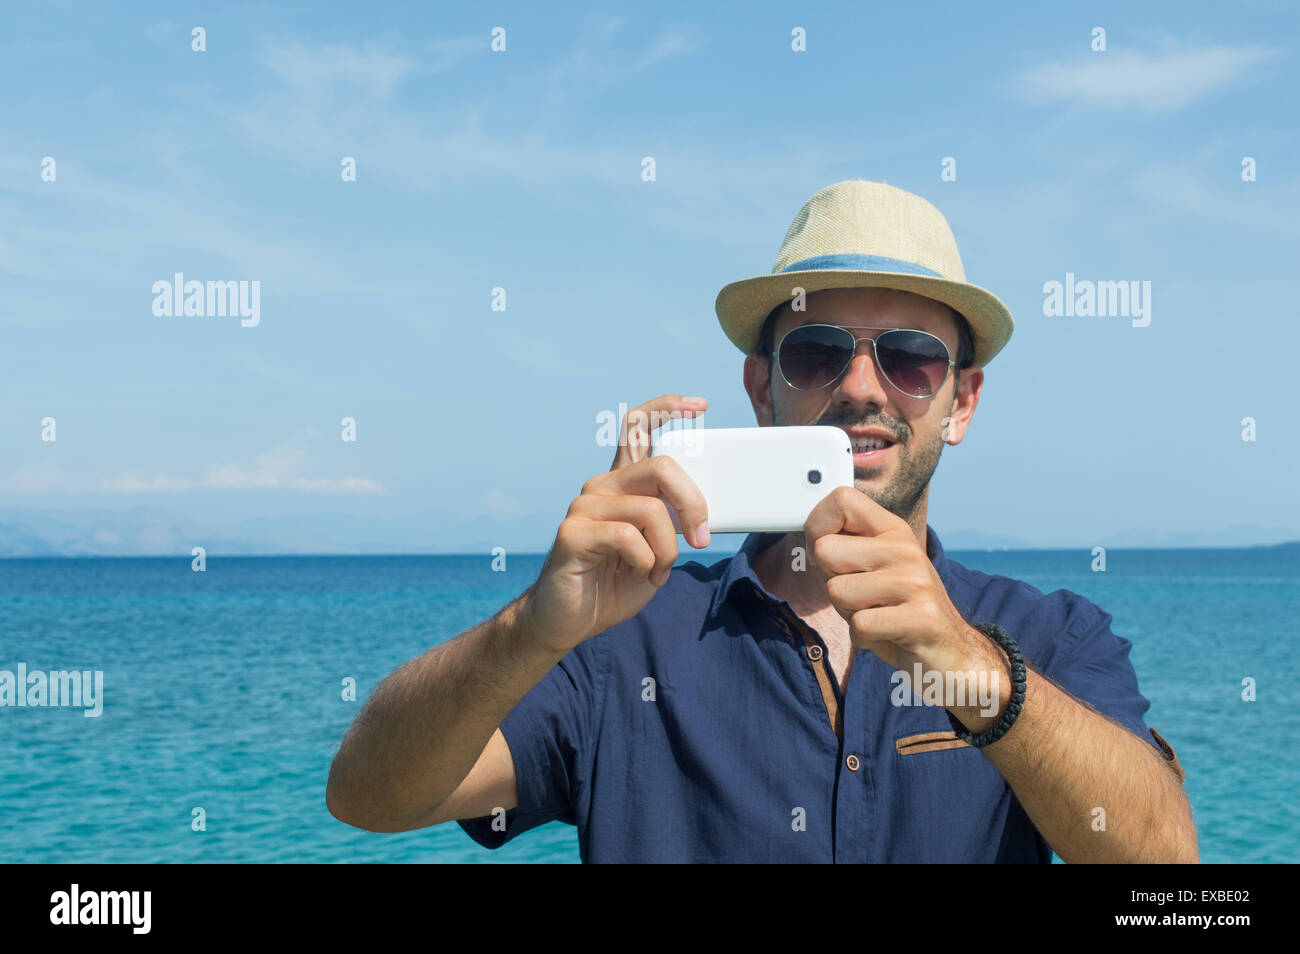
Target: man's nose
{"x":862,"y":380}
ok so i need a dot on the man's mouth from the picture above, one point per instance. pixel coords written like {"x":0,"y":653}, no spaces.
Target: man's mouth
{"x":869,"y":447}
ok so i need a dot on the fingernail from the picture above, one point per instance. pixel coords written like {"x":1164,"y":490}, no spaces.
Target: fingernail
{"x":697,"y":401}
{"x":702,"y":534}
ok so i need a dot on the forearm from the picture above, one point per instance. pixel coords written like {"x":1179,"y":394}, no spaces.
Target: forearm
{"x":1064,"y":761}
{"x":425,"y":726}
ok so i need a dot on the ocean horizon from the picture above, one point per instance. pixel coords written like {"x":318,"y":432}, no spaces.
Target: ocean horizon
{"x":684,"y":549}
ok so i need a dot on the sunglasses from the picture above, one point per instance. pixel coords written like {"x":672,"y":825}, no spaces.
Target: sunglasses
{"x":813,"y":356}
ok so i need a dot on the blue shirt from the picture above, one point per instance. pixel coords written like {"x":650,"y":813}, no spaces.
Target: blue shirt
{"x":700,"y":730}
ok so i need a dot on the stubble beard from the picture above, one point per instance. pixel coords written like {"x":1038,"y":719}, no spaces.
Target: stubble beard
{"x":903,"y":492}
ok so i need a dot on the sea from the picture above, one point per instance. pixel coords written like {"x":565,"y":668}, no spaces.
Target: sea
{"x":225,"y":694}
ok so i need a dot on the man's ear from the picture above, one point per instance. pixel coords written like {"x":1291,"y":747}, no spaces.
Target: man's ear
{"x":964,"y":400}
{"x":758,"y":387}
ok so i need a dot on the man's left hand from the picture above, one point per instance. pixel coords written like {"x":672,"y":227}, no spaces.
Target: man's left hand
{"x":881,"y":581}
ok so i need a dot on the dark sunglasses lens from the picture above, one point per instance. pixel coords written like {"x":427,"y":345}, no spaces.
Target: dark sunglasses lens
{"x":916,"y":363}
{"x":813,"y":356}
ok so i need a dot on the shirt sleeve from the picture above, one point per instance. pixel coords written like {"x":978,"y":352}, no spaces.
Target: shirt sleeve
{"x":1095,"y":669}
{"x":550,"y":733}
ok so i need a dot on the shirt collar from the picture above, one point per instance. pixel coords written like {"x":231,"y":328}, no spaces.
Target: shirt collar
{"x":741,"y":566}
{"x":934,"y":550}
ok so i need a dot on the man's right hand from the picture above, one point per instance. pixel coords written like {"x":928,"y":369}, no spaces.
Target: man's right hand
{"x":617,"y":544}
{"x":417,"y":755}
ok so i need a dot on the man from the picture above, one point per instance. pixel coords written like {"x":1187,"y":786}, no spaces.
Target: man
{"x":752,"y":710}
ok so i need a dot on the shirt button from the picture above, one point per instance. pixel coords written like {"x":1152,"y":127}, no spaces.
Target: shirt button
{"x":815,"y":653}
{"x":852,"y":763}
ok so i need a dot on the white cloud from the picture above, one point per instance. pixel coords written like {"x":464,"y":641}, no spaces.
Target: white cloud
{"x":667,"y":44}
{"x":321,"y":71}
{"x":148,"y":485}
{"x":36,"y":476}
{"x":606,"y":25}
{"x":1185,"y":188}
{"x":128,"y":224}
{"x":597,"y":63}
{"x":501,"y":505}
{"x":1129,"y":79}
{"x":274,"y":470}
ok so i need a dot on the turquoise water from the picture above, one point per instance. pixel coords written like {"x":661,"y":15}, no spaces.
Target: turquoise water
{"x":222,"y":691}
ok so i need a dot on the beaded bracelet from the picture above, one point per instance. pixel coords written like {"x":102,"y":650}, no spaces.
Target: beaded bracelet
{"x":1018,"y":673}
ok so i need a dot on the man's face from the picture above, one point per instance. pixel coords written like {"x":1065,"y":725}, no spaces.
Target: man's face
{"x":898,"y":476}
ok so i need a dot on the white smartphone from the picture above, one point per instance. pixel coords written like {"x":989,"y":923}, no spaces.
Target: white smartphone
{"x":759,"y":479}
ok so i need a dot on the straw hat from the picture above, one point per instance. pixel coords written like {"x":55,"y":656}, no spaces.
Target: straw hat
{"x":858,"y":234}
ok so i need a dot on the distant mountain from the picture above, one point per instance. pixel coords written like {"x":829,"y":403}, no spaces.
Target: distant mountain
{"x":1238,"y":536}
{"x":978,"y":540}
{"x":149,"y":531}
{"x":19,"y":541}
{"x":1146,"y":539}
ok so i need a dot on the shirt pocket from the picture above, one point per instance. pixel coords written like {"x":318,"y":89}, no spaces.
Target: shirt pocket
{"x":922,"y":742}
{"x":948,"y":802}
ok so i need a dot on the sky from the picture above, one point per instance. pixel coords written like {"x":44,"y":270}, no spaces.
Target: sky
{"x":522,"y":169}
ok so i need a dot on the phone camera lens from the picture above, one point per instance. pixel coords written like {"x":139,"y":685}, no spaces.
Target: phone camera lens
{"x":814,"y":476}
